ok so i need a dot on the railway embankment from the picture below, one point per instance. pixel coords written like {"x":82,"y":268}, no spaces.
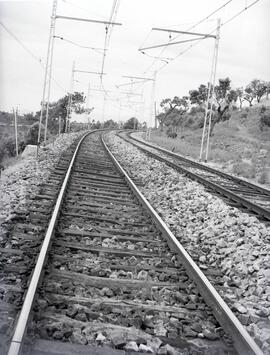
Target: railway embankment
{"x":22,"y":179}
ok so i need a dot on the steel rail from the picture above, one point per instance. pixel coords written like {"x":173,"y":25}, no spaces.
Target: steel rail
{"x":21,"y":326}
{"x":203,"y":167}
{"x":262,"y":212}
{"x":243,"y":342}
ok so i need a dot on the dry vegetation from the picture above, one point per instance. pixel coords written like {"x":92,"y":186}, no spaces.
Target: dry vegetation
{"x":238,"y":146}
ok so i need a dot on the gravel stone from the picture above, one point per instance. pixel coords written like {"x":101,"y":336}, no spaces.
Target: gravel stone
{"x":23,"y":179}
{"x":145,"y":349}
{"x":100,"y":338}
{"x":131,"y":346}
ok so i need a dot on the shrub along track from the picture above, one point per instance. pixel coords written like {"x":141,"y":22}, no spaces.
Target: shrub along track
{"x":111,"y":278}
{"x":236,"y":192}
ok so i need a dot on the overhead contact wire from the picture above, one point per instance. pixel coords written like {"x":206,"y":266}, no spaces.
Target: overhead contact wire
{"x":36,"y":58}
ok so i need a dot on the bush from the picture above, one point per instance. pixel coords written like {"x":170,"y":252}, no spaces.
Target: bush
{"x":265,"y":116}
{"x":196,"y":109}
{"x":32,"y":133}
{"x":2,"y":152}
{"x":244,"y":169}
{"x":170,"y":133}
{"x":8,"y":148}
{"x":244,"y":115}
{"x":264,"y":177}
{"x":189,"y":121}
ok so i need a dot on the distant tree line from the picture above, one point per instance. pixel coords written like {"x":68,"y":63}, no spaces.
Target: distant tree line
{"x":177,"y":111}
{"x":29,"y":124}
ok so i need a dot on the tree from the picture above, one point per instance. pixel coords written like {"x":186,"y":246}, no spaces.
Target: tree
{"x":32,"y":133}
{"x":96,"y":125}
{"x":30,"y":117}
{"x":267,"y":90}
{"x":224,"y":96}
{"x":255,"y":90}
{"x":259,"y":87}
{"x":199,"y":96}
{"x":222,"y":89}
{"x":59,"y":108}
{"x":171,"y":106}
{"x":264,"y":117}
{"x":110,"y":124}
{"x":161,"y":119}
{"x":131,"y":123}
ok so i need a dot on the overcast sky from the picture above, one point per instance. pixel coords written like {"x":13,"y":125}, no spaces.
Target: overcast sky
{"x":244,"y":52}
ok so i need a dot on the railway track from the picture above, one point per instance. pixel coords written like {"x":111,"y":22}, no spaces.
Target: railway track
{"x":111,"y":273}
{"x":236,"y":192}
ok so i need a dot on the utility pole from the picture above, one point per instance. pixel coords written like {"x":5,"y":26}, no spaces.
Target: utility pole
{"x":210,"y":97}
{"x":48,"y":59}
{"x":59,"y":126}
{"x":16,"y":130}
{"x":67,"y":128}
{"x":196,"y":36}
{"x":143,"y":80}
{"x":103,"y":107}
{"x":153,"y":114}
{"x":119,"y":110}
{"x":87,"y":107}
{"x":49,"y":83}
{"x":94,"y":73}
{"x":72,"y":89}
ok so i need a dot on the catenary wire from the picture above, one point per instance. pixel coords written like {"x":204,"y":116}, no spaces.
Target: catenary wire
{"x":36,"y":58}
{"x":98,"y":50}
{"x":190,"y":28}
{"x":200,"y":40}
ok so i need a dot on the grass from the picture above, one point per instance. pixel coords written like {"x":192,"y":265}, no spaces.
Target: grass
{"x":178,"y":145}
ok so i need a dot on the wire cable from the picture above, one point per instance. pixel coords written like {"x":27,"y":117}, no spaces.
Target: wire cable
{"x":98,"y":50}
{"x":200,"y":40}
{"x":36,"y":58}
{"x":190,"y":28}
{"x":108,"y":34}
{"x":239,"y":13}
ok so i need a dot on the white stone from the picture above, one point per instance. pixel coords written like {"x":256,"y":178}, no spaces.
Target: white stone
{"x":29,"y":151}
{"x":145,"y":349}
{"x":131,"y":346}
{"x":100,"y":337}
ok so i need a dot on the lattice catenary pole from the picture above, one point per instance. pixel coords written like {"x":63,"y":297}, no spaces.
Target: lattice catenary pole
{"x":49,"y":49}
{"x":15,"y":111}
{"x":210,"y":97}
{"x":70,"y":98}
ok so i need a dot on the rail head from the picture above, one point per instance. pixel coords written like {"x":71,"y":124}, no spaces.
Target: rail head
{"x":21,"y":325}
{"x":243,"y":342}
